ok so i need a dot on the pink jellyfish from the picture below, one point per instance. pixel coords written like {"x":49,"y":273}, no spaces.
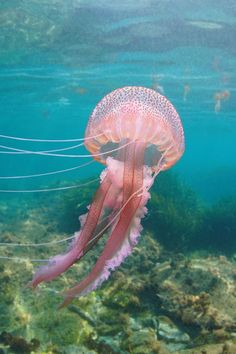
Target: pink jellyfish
{"x":136,"y":133}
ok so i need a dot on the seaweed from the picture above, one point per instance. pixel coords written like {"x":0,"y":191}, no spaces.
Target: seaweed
{"x":166,"y":297}
{"x":175,"y":213}
{"x":218,"y":228}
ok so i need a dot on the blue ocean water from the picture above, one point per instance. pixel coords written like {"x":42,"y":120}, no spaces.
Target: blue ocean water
{"x":54,"y":73}
{"x":58,"y":59}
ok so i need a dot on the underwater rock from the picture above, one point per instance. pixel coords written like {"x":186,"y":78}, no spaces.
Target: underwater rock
{"x":170,"y":332}
{"x":143,"y":341}
{"x":19,"y":344}
{"x":105,"y":345}
{"x":73,"y":349}
{"x":173,"y":337}
{"x":195,"y":294}
{"x":226,"y":348}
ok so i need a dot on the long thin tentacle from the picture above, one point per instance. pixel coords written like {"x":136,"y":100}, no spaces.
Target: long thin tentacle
{"x":48,"y":173}
{"x":30,"y":152}
{"x":48,"y":140}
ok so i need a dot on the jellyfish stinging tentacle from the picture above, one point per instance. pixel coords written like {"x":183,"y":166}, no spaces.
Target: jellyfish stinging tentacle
{"x":138,"y":133}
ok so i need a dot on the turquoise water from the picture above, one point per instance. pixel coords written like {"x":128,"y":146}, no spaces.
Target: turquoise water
{"x":61,"y":61}
{"x":59,"y":58}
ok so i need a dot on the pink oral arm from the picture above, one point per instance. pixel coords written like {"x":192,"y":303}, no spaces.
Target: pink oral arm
{"x":111,"y":255}
{"x":60,"y":263}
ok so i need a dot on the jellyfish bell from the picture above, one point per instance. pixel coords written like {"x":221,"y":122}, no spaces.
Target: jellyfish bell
{"x":136,"y":114}
{"x":136,"y":133}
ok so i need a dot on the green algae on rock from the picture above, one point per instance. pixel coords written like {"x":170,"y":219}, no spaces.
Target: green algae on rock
{"x":185,"y":292}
